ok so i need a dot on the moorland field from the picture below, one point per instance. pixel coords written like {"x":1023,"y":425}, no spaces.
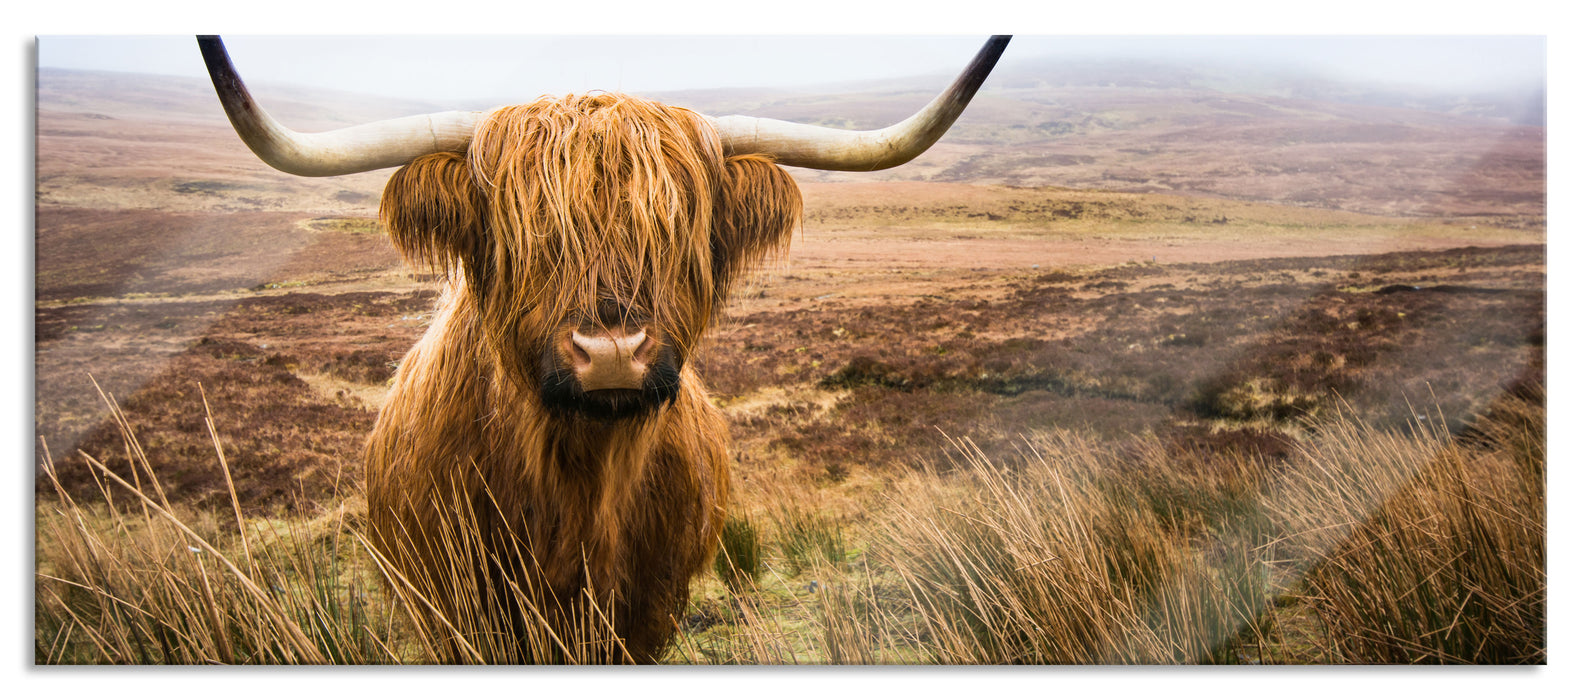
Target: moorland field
{"x":1123,"y":371}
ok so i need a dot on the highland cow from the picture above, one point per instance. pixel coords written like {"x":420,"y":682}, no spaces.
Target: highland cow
{"x":587,"y":243}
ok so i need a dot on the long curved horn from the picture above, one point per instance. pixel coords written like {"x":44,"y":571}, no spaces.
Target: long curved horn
{"x":395,"y":142}
{"x":354,"y":149}
{"x":823,"y":148}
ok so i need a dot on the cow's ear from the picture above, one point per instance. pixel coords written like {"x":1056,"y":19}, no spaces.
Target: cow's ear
{"x":435,"y":214}
{"x":758,"y":208}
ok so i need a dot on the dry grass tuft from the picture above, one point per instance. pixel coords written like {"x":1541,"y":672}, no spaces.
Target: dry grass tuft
{"x":133,"y":579}
{"x":1443,"y":559}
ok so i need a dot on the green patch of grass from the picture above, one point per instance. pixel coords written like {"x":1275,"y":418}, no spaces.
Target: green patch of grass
{"x":740,"y":560}
{"x":808,"y":540}
{"x":211,"y":187}
{"x":354,"y":226}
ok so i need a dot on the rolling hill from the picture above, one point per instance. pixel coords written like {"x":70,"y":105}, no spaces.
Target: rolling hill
{"x":107,"y":139}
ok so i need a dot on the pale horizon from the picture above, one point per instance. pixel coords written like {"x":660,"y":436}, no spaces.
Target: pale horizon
{"x":472,"y":68}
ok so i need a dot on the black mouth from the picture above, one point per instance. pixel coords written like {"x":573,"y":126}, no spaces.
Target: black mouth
{"x":610,"y":404}
{"x":563,"y":394}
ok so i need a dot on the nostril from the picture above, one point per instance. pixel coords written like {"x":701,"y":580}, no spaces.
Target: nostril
{"x":578,"y":351}
{"x":646,"y":349}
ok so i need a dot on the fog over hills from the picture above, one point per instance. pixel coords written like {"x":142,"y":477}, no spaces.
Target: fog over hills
{"x":1515,"y":103}
{"x":1130,"y":125}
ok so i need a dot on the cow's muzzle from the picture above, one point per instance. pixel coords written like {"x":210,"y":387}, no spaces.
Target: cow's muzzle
{"x":605,"y":359}
{"x":609,"y":372}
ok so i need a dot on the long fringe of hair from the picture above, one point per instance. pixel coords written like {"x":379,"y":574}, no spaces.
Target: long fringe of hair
{"x":599,"y":194}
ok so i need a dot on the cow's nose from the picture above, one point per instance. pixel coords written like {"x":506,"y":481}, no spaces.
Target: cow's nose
{"x":605,"y":359}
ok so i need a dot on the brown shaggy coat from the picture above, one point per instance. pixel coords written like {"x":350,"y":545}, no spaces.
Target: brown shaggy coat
{"x":557,"y":205}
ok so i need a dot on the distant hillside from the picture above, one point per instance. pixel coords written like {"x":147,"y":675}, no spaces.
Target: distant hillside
{"x":1117,"y":125}
{"x":1516,"y":105}
{"x":1522,"y":105}
{"x":1141,"y":126}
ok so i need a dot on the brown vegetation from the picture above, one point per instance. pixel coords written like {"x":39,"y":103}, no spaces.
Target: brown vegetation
{"x":1359,"y":546}
{"x":971,"y":423}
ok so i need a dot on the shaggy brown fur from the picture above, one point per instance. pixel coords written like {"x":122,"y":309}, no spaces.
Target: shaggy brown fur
{"x":560,"y":205}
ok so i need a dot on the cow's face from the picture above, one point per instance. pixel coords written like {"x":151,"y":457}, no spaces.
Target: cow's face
{"x":597,"y":236}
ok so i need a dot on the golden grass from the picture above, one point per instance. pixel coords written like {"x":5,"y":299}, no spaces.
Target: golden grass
{"x":134,"y":579}
{"x":1367,"y":546}
{"x":1443,"y":558}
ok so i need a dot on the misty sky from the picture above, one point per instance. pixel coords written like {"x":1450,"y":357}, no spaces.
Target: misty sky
{"x":440,"y":68}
